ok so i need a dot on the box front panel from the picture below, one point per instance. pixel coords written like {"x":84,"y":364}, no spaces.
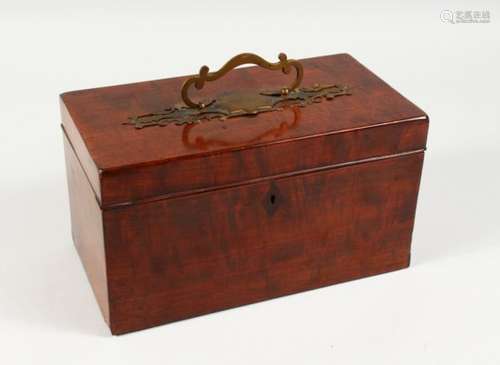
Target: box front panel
{"x":181,"y":257}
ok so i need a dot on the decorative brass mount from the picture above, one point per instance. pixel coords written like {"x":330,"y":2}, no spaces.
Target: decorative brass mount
{"x":238,"y":103}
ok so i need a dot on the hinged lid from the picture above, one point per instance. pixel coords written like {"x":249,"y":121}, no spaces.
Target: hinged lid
{"x":138,"y":142}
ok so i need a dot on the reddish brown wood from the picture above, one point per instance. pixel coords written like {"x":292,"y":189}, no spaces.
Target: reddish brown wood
{"x":176,"y":222}
{"x":87,"y":228}
{"x":113,"y":153}
{"x":177,"y":258}
{"x":184,"y":175}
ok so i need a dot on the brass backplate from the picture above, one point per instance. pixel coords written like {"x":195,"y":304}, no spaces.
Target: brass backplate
{"x":239,"y":104}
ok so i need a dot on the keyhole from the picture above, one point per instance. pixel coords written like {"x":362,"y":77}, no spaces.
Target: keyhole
{"x":272,"y":198}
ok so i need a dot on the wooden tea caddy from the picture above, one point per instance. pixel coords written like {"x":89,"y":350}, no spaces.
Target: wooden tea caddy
{"x":254,"y":192}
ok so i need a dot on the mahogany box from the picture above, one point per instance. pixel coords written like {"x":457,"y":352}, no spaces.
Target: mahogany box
{"x":196,"y":194}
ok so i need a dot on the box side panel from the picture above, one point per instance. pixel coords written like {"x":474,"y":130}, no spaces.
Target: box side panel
{"x":186,"y":256}
{"x":87,"y":228}
{"x":80,"y":149}
{"x":128,"y":186}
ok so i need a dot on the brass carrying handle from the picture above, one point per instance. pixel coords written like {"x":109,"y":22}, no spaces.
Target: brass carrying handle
{"x":284,"y":64}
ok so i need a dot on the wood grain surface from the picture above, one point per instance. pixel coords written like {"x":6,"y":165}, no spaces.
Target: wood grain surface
{"x":180,"y":221}
{"x":178,"y":258}
{"x":87,"y":228}
{"x":126,"y":165}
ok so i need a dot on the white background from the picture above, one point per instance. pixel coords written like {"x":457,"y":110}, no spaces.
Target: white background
{"x":444,"y":309}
